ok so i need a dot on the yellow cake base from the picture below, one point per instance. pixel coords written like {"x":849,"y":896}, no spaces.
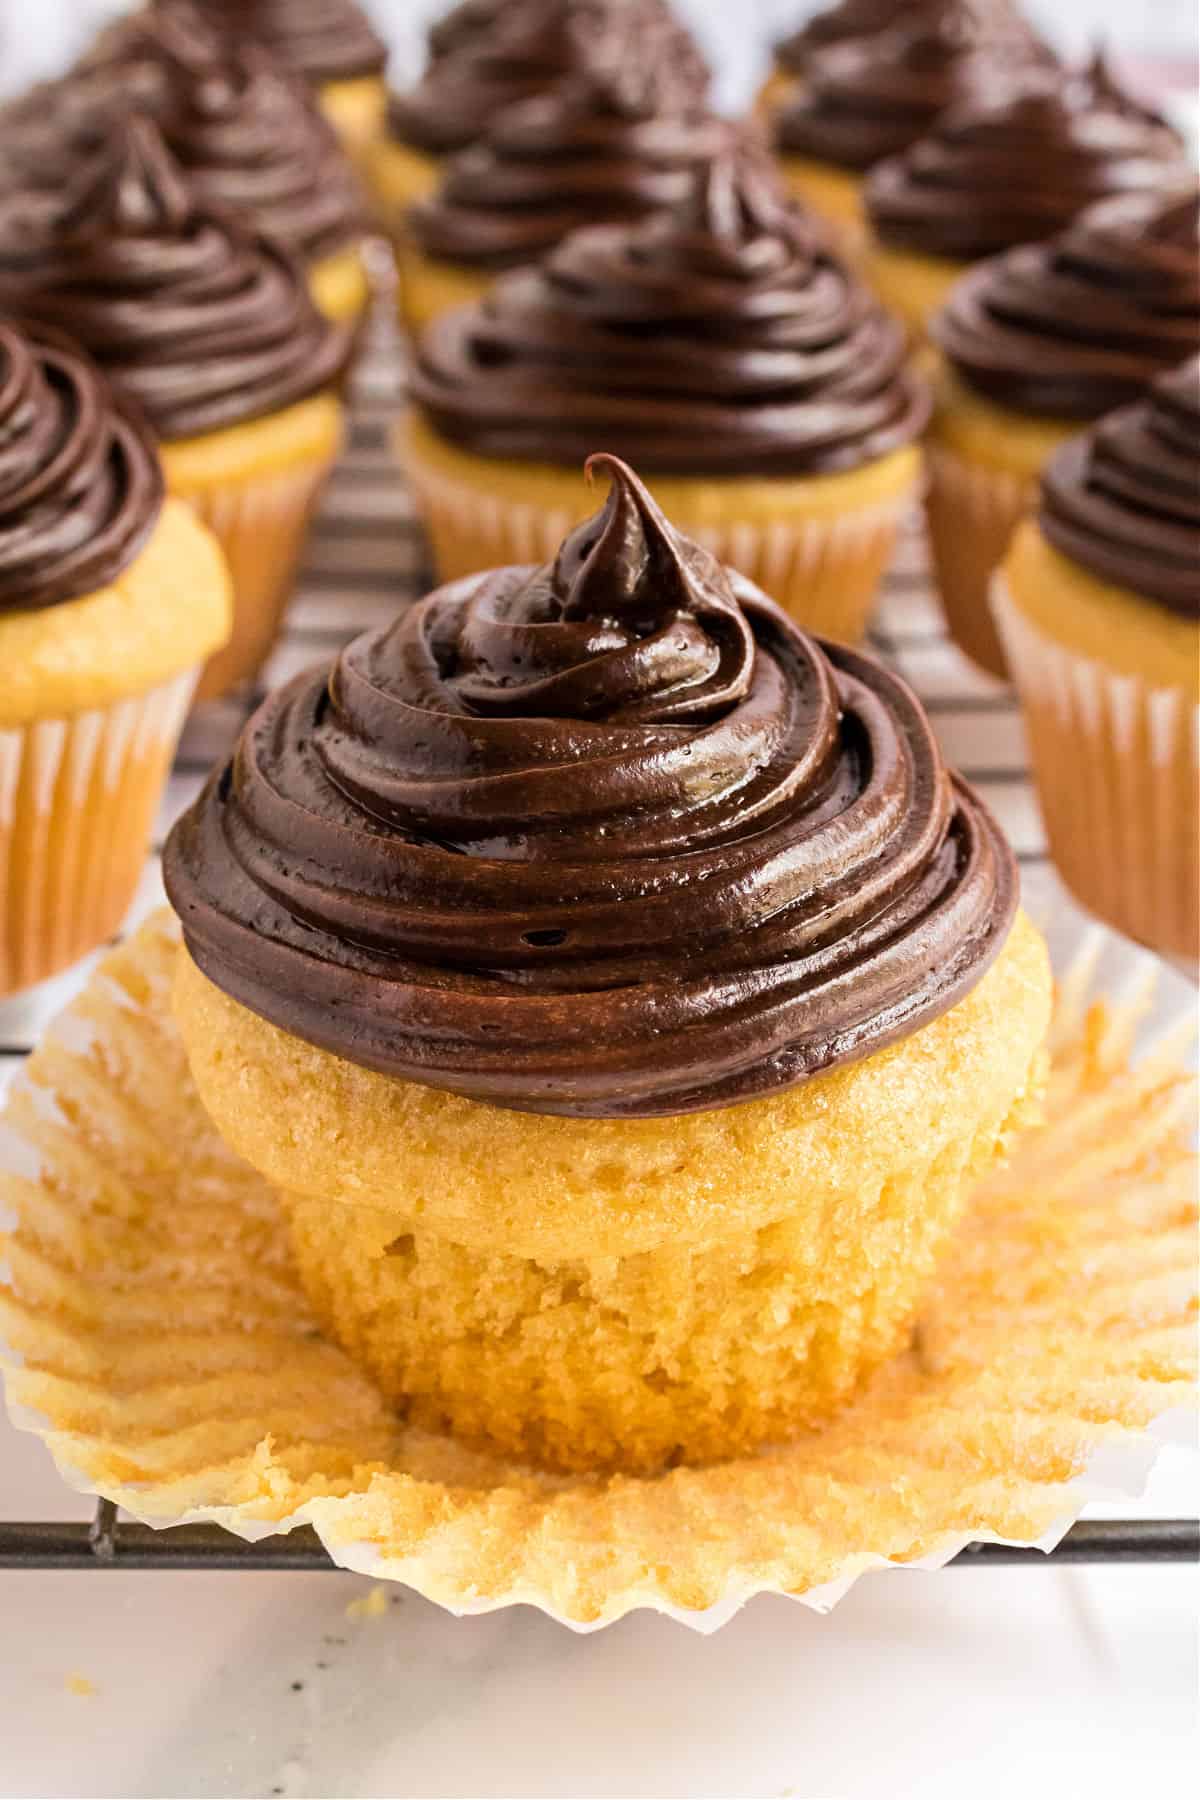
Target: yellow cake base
{"x":399,"y":176}
{"x":835,"y":195}
{"x":780,"y":86}
{"x":984,"y":465}
{"x":593,"y":1294}
{"x":340,"y":285}
{"x":1110,"y":688}
{"x":817,"y":544}
{"x":426,"y":288}
{"x":913,"y":287}
{"x":356,"y":110}
{"x":160,"y":1344}
{"x":256,"y":487}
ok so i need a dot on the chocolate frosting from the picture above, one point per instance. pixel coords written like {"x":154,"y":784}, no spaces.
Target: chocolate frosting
{"x":616,"y":141}
{"x":609,"y":838}
{"x":80,"y":484}
{"x":503,"y":54}
{"x":322,"y":40}
{"x":864,"y":18}
{"x":724,"y":339}
{"x":1124,"y":499}
{"x":990,"y":177}
{"x":202,"y":324}
{"x":247,"y":135}
{"x":870,"y":97}
{"x":1077,"y":326}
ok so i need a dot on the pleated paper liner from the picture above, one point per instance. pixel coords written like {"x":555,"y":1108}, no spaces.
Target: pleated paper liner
{"x":159,"y":1342}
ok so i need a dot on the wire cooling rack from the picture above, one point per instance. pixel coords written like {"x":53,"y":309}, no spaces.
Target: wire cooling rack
{"x":366,"y":559}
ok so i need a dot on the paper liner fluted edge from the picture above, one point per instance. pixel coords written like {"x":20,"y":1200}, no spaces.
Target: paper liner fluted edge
{"x":1116,"y":1467}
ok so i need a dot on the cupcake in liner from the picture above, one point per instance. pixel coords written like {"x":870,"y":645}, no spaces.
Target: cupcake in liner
{"x":873,"y":83}
{"x":1033,"y":344}
{"x":624,"y":1085}
{"x":793,"y":459}
{"x":616,"y":140}
{"x":109,"y":602}
{"x":1003,"y":169}
{"x":159,"y":1342}
{"x":1098,"y":604}
{"x":212,"y":333}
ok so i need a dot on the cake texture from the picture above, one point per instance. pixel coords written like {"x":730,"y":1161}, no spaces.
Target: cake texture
{"x":620,"y":993}
{"x":721,"y":347}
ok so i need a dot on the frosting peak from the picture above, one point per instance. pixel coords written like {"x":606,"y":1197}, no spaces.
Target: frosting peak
{"x":865,"y":18}
{"x":608,"y":838}
{"x":80,"y":484}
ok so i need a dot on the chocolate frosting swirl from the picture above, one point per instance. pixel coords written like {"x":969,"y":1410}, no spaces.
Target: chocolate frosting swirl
{"x":724,"y":339}
{"x":609,"y":838}
{"x":202,"y":324}
{"x":864,"y":18}
{"x":990,"y":177}
{"x":322,"y":40}
{"x":247,"y":135}
{"x":1124,"y":500}
{"x":870,"y":97}
{"x":617,"y":141}
{"x":502,"y":54}
{"x":80,"y":483}
{"x":1077,"y":326}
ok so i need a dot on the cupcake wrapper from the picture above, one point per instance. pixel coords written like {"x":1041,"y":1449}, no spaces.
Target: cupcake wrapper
{"x":1117,"y":766}
{"x":972,"y":514}
{"x":77,"y":799}
{"x":157,"y":1339}
{"x":825,"y":572}
{"x":262,"y":526}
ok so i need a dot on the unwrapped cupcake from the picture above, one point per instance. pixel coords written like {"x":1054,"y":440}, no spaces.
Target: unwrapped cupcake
{"x":212,"y":333}
{"x":485,"y":57}
{"x":991,"y":175}
{"x":723,"y":349}
{"x":617,"y":140}
{"x":111,"y":597}
{"x":870,"y":97}
{"x":1099,"y":607}
{"x":1033,"y":344}
{"x":620,"y":993}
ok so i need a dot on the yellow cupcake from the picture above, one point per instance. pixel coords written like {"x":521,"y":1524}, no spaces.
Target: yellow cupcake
{"x":664,"y":1179}
{"x":398,"y":176}
{"x":835,"y":195}
{"x":428,"y":288}
{"x":356,"y":108}
{"x":913,"y":287}
{"x":340,"y":285}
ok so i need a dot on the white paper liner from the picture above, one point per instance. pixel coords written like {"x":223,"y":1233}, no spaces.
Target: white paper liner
{"x":972,"y":513}
{"x":1117,"y":767}
{"x":450,"y":1504}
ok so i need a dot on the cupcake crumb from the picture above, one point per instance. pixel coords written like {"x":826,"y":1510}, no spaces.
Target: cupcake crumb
{"x":79,"y":1684}
{"x":372,"y":1605}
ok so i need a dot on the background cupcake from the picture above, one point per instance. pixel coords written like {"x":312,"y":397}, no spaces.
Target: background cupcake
{"x":212,"y":333}
{"x":867,"y":98}
{"x":110,"y":599}
{"x":1032,"y":343}
{"x":1099,"y":606}
{"x":245,"y":132}
{"x":617,"y":140}
{"x":622,"y":1080}
{"x":990,"y":176}
{"x":490,"y":56}
{"x":723,"y":349}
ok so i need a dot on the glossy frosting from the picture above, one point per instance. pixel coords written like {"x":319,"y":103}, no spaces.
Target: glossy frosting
{"x":496,"y":55}
{"x":323,"y":40}
{"x":864,"y":18}
{"x":870,"y":97}
{"x":202,"y":324}
{"x":610,"y":837}
{"x":80,"y":484}
{"x":722,"y":339}
{"x":989,"y":177}
{"x":615,"y":141}
{"x":1124,"y":500}
{"x":1077,"y":326}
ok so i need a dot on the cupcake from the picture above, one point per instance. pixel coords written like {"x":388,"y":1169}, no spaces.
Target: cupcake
{"x":489,"y":56}
{"x":992,"y":175}
{"x":618,"y":140}
{"x":212,"y":333}
{"x":721,"y":348}
{"x":331,"y":45}
{"x":1099,"y":606}
{"x":1033,"y":343}
{"x":110,"y":599}
{"x":246,"y":134}
{"x":618,"y":991}
{"x":867,"y":98}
